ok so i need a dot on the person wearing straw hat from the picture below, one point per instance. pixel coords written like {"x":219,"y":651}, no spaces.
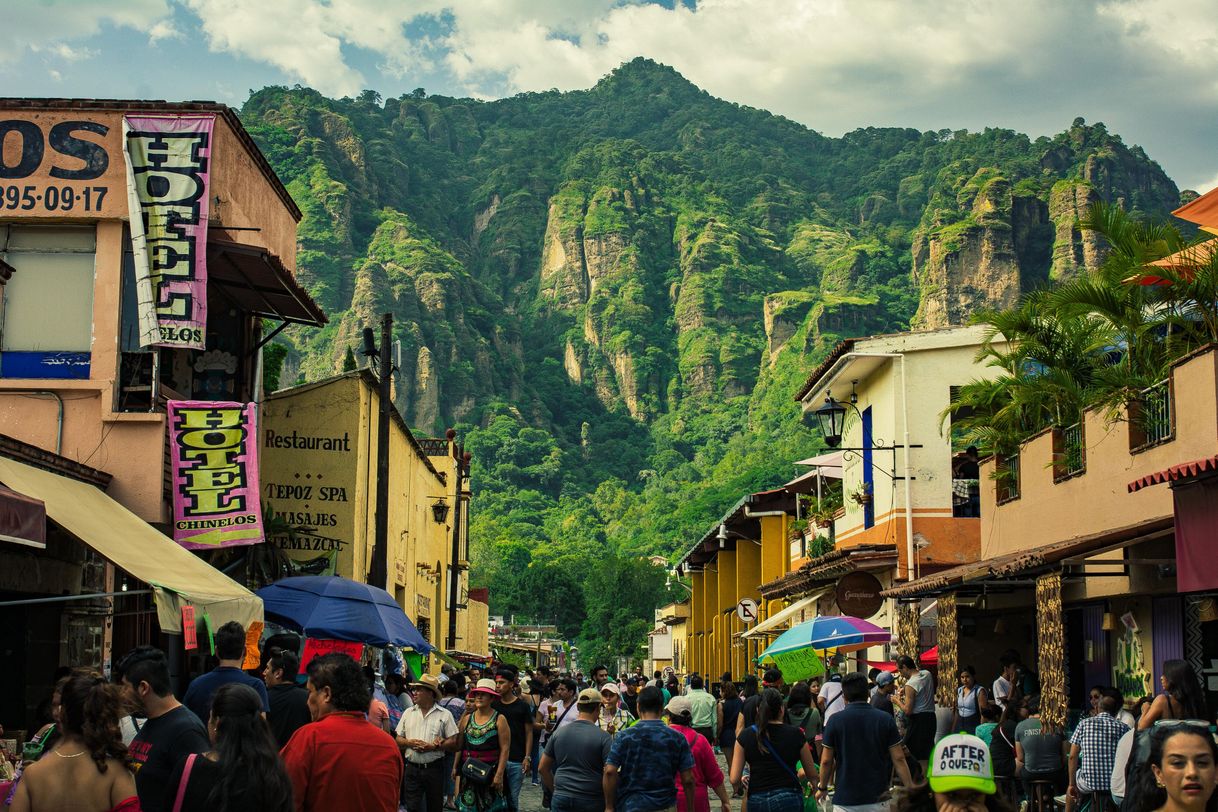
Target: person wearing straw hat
{"x":486,"y":738}
{"x":424,"y":733}
{"x":960,"y":778}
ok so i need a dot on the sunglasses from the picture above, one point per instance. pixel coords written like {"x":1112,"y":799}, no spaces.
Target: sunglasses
{"x":1170,"y":723}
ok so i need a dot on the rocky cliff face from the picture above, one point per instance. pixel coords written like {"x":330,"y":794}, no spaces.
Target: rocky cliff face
{"x":654,"y":246}
{"x":998,"y":241}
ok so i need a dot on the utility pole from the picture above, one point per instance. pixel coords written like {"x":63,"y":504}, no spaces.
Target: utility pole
{"x":378,"y":571}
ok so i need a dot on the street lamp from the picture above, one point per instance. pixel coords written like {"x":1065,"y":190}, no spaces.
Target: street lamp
{"x":832,"y":420}
{"x":439,"y":511}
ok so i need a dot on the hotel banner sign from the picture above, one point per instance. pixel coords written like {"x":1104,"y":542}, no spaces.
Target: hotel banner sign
{"x":168,"y":160}
{"x":214,"y":452}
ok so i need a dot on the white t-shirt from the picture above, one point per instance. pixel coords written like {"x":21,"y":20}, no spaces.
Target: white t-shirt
{"x":831,"y":693}
{"x":559,"y":710}
{"x":1124,"y":749}
{"x":1002,"y":690}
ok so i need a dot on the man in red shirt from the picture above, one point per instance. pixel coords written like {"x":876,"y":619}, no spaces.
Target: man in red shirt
{"x":339,"y":762}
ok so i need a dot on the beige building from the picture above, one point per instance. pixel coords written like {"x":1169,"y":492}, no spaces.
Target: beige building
{"x":319,"y":481}
{"x":666,"y":643}
{"x":83,"y":404}
{"x":1097,"y":540}
{"x":904,"y":493}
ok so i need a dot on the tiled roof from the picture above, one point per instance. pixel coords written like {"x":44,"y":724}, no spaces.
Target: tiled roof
{"x":1185,"y":470}
{"x":837,"y":352}
{"x":827,"y":567}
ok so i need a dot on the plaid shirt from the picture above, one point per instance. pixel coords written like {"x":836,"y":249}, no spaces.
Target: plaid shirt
{"x":1097,"y":737}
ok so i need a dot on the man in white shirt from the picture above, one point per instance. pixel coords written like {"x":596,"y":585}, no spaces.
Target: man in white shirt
{"x":424,"y":733}
{"x":1002,"y":685}
{"x":830,"y":698}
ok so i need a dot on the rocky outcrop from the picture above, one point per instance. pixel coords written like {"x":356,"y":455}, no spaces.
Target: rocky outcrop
{"x":971,"y":264}
{"x":1074,"y":250}
{"x":425,"y":405}
{"x":564,"y":276}
{"x":782,"y":315}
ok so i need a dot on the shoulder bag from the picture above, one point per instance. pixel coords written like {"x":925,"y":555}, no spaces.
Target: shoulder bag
{"x":181,"y":796}
{"x":475,"y":770}
{"x":810,"y":804}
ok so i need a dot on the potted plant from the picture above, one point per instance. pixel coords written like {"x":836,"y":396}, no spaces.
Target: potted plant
{"x":862,"y":494}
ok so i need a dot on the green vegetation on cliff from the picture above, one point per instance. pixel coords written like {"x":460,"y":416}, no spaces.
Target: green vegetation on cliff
{"x":613,"y":294}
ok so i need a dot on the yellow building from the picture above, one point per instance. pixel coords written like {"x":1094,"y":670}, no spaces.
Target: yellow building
{"x":318,"y":448}
{"x":743,"y":550}
{"x":666,"y":642}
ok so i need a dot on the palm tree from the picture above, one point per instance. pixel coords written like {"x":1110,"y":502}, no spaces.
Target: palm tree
{"x":1048,"y":367}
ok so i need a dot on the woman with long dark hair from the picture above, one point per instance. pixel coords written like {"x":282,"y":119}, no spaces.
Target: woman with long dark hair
{"x":87,"y":769}
{"x":1181,"y":772}
{"x":726,"y":711}
{"x":971,"y":700}
{"x":1181,"y":697}
{"x":774,"y":752}
{"x":242,"y":773}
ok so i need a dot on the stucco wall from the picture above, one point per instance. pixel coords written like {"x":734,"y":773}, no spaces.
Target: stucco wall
{"x":1049,"y":511}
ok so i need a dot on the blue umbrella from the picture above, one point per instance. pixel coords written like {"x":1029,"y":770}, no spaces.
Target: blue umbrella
{"x":335,"y":608}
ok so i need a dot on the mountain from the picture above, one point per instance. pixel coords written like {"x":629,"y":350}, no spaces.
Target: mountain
{"x":614,"y":293}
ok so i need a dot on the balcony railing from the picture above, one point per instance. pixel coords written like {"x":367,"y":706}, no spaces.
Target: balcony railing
{"x":1152,"y":417}
{"x":1069,"y":453}
{"x":1007,"y":470}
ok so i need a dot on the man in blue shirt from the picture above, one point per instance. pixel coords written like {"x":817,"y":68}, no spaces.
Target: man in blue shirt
{"x":861,"y":746}
{"x":230,"y":648}
{"x":644,"y":760}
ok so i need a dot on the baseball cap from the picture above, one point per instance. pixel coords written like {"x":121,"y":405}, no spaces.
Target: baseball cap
{"x":961,"y":761}
{"x":883,"y":678}
{"x":679,"y":705}
{"x":589,"y":696}
{"x":612,"y":688}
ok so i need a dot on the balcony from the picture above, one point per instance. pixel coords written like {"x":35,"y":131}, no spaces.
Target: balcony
{"x":1069,"y":452}
{"x":1151,"y":418}
{"x":1072,"y":481}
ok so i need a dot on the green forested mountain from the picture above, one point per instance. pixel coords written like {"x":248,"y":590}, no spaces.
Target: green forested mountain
{"x":613,"y":294}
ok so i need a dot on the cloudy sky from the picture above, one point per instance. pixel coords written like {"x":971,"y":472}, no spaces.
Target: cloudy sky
{"x":1147,"y":68}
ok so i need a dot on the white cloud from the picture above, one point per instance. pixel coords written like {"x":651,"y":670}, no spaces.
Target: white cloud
{"x":1142,"y":66}
{"x":64,"y":52}
{"x":46,"y":23}
{"x":162,"y":30}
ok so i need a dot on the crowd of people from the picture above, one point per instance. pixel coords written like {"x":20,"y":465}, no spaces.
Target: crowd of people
{"x":340,"y":737}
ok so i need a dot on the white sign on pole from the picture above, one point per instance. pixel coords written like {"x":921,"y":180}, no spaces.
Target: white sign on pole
{"x":746,"y":610}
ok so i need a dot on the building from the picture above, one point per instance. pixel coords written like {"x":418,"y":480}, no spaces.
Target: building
{"x":747,"y":547}
{"x":1105,"y":594}
{"x":99,"y":329}
{"x":667,"y":643}
{"x":319,"y":477}
{"x":909,"y":495}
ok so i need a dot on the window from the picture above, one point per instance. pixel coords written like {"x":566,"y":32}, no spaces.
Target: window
{"x":1069,"y":452}
{"x":1151,"y":417}
{"x":46,"y":324}
{"x":1007,"y":474}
